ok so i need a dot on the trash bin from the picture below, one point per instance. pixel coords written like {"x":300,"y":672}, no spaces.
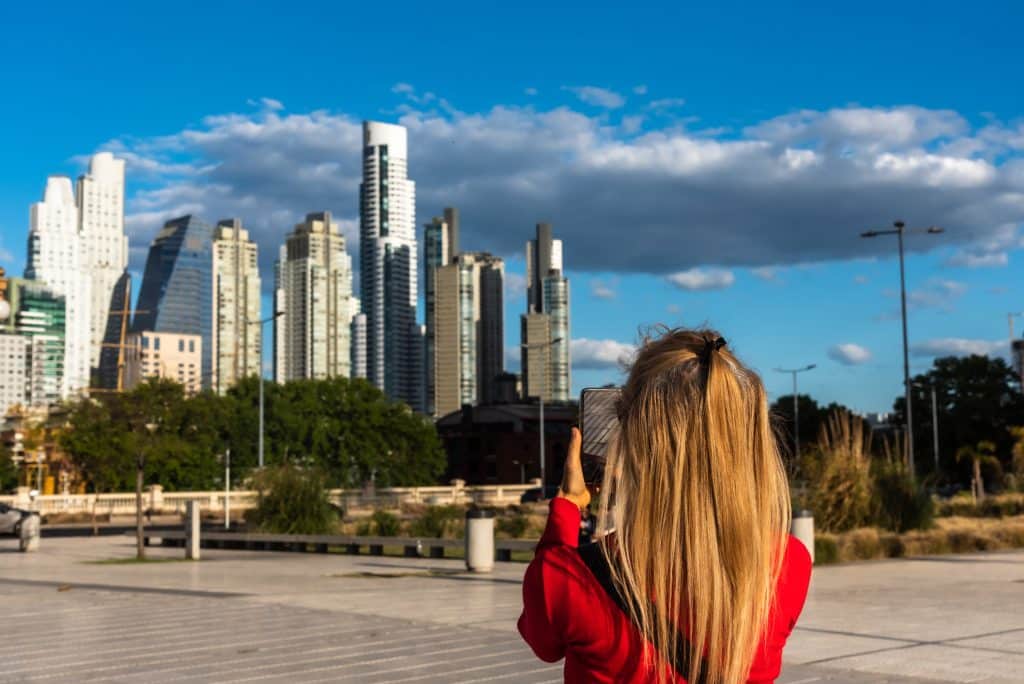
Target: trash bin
{"x":29,"y":534}
{"x":803,"y":529}
{"x":479,"y":540}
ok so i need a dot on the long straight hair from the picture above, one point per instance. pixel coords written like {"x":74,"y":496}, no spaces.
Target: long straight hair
{"x":698,"y":499}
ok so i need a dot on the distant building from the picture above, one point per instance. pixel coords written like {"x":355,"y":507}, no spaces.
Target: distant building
{"x":387,"y":260}
{"x":358,"y":345}
{"x":100,"y":201}
{"x":469,"y":330}
{"x":440,"y":245}
{"x":313,"y":294}
{"x":499,"y":444}
{"x":237,"y":334}
{"x":177,"y":286}
{"x":164,"y":355}
{"x":544,"y":328}
{"x":14,"y":351}
{"x":507,"y":388}
{"x":57,"y":258}
{"x":110,"y":374}
{"x":36,"y":314}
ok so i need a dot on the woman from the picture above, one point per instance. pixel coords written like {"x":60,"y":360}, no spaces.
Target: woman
{"x":697,"y":579}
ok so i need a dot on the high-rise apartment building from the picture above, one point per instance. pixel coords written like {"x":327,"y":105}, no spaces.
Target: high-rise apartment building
{"x":545,"y":326}
{"x":100,"y":202}
{"x":387,"y":259}
{"x":313,"y":295}
{"x":440,"y":245}
{"x":57,"y":258}
{"x":358,"y":369}
{"x":237,"y":334}
{"x":164,"y":355}
{"x":36,"y":315}
{"x":177,"y":286}
{"x":468,"y":331}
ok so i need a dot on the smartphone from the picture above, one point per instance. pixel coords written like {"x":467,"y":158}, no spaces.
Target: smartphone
{"x":599,"y":416}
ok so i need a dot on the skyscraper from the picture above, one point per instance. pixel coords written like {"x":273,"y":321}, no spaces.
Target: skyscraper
{"x":546,"y":362}
{"x":100,"y":202}
{"x":56,"y":257}
{"x":35,"y":315}
{"x":440,"y":245}
{"x":177,"y":286}
{"x":387,"y":259}
{"x":358,"y":369}
{"x":313,"y":291}
{"x":237,"y":335}
{"x":469,"y":331}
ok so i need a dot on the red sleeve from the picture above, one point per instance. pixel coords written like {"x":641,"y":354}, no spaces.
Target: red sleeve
{"x":544,"y":623}
{"x":791,"y":593}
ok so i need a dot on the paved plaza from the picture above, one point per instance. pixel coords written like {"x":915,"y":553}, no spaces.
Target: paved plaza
{"x":242,"y":616}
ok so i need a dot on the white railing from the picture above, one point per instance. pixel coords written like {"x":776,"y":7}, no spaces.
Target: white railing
{"x":156,"y":500}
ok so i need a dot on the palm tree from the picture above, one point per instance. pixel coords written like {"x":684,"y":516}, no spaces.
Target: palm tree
{"x":984,"y":452}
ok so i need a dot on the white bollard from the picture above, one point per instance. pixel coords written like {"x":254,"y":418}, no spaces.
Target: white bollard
{"x":192,"y":531}
{"x":28,"y":536}
{"x":479,"y":540}
{"x":803,"y":529}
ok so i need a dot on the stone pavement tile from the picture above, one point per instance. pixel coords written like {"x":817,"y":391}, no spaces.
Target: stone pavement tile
{"x":1011,"y":641}
{"x":938,"y":662}
{"x":809,"y":645}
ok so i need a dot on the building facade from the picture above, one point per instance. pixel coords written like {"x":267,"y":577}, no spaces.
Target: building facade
{"x":36,"y":314}
{"x":100,"y":202}
{"x":56,"y":258}
{"x":468,"y":331}
{"x":544,"y":328}
{"x":14,"y":353}
{"x":387,"y":259}
{"x":177,"y":286}
{"x":440,"y":245}
{"x":237,"y":334}
{"x":171,"y":356}
{"x":358,"y":369}
{"x":314,"y":302}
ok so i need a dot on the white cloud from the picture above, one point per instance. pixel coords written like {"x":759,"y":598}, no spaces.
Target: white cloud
{"x":598,"y":97}
{"x":849,"y":354}
{"x":640,"y":89}
{"x":602,"y":289}
{"x":515,"y":285}
{"x":403,"y":89}
{"x":667,"y":103}
{"x":959,"y":346}
{"x":861,"y":280}
{"x":598,"y":354}
{"x":969,"y":259}
{"x":674,"y":189}
{"x":272,"y":104}
{"x":531,"y":91}
{"x":672,"y":309}
{"x":702,"y":279}
{"x":766,"y":273}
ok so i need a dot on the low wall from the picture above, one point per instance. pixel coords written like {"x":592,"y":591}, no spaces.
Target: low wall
{"x":158,"y":501}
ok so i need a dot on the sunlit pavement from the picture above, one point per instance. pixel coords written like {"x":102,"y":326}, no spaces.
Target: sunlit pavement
{"x":274,"y":617}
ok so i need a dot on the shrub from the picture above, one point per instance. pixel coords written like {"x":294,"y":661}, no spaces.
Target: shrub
{"x":826,"y":549}
{"x":386,"y":524}
{"x":513,"y":526}
{"x":292,"y":501}
{"x":436,"y":521}
{"x":900,"y":503}
{"x":840,"y":477}
{"x":860,"y":544}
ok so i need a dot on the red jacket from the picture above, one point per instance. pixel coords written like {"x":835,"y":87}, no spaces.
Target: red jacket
{"x":566,"y":613}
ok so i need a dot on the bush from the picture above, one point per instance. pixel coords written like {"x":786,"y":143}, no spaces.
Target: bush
{"x":513,"y":526}
{"x":900,"y":503}
{"x":826,"y":549}
{"x":292,"y":501}
{"x":436,"y":521}
{"x":839,"y":476}
{"x":860,"y":544}
{"x":386,"y":524}
{"x":997,"y":506}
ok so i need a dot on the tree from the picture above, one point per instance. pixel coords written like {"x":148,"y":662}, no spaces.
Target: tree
{"x":983,"y":453}
{"x":8,"y":471}
{"x":813,"y":418}
{"x":977,"y":401}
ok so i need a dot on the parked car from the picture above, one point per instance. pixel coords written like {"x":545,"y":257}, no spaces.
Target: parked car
{"x":11,"y":518}
{"x":533,"y":495}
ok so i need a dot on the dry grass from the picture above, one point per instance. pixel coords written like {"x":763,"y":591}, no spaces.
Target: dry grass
{"x":950,"y":535}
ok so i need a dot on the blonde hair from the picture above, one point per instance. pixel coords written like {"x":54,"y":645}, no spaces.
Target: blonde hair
{"x":697,"y":496}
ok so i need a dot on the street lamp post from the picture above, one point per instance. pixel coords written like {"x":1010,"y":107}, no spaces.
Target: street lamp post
{"x":261,"y":323}
{"x":899,"y":229}
{"x":546,"y":346}
{"x":796,"y":406}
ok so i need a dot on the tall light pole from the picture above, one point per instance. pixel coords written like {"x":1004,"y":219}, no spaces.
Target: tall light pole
{"x":546,"y":346}
{"x":261,"y":323}
{"x":899,"y":229}
{"x":796,"y":405}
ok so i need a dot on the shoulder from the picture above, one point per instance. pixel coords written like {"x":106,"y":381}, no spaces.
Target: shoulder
{"x":795,"y":575}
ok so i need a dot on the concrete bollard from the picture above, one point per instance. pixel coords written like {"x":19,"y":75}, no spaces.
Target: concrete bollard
{"x":192,"y":531}
{"x":479,"y":540}
{"x":28,"y":537}
{"x":803,"y":529}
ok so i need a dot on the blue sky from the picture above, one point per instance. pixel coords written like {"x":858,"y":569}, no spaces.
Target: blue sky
{"x":702,"y":164}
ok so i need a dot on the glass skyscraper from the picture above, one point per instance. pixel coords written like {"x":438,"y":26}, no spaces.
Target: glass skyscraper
{"x":177,"y":285}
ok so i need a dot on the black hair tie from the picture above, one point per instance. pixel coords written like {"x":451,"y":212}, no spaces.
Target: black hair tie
{"x":711,"y":346}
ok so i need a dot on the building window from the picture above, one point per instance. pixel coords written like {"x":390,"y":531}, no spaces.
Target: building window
{"x":191,"y":345}
{"x":156,"y":343}
{"x":181,"y":345}
{"x":145,"y":342}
